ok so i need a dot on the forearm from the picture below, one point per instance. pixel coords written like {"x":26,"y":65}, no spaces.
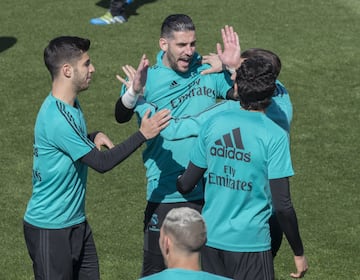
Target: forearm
{"x":286,"y":214}
{"x":103,"y":161}
{"x":187,"y":182}
{"x":181,"y":128}
{"x":289,"y":224}
{"x":122,"y":114}
{"x":230,"y":95}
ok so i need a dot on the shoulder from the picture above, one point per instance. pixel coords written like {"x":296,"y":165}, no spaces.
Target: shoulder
{"x":280,"y":89}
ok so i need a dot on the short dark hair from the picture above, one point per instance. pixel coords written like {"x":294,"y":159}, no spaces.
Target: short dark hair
{"x":256,"y":83}
{"x":273,"y":57}
{"x":176,"y":23}
{"x":64,"y":49}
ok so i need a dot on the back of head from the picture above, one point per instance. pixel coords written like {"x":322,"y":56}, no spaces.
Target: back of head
{"x":255,"y":80}
{"x":64,"y":49}
{"x":187,"y":227}
{"x":271,"y":56}
{"x":176,"y":23}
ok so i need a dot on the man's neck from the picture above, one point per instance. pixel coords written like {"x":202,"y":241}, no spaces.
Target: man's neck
{"x":189,"y":262}
{"x":64,"y":92}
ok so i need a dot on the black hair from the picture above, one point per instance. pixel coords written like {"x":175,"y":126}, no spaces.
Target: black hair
{"x":176,"y":23}
{"x":256,"y":83}
{"x":271,"y":56}
{"x":64,"y":49}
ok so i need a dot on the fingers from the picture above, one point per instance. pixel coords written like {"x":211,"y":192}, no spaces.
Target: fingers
{"x":207,"y":71}
{"x":147,"y":113}
{"x":228,"y":35}
{"x":298,"y":274}
{"x":129,"y":71}
{"x":301,"y":266}
{"x":144,"y":62}
{"x":162,"y":117}
{"x":150,"y":127}
{"x":121,"y":79}
{"x":219,"y":49}
{"x":102,"y":140}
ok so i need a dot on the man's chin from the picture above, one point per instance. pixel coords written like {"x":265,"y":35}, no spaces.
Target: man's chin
{"x":182,"y":69}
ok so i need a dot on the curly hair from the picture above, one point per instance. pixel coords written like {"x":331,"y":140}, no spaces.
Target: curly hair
{"x":255,"y":80}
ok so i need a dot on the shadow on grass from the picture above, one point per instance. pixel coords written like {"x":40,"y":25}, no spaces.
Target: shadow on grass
{"x":6,"y":43}
{"x":130,"y":9}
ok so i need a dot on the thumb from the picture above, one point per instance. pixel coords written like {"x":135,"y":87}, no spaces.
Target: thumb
{"x":147,"y":113}
{"x":218,"y":48}
{"x":207,"y":71}
{"x":297,"y":275}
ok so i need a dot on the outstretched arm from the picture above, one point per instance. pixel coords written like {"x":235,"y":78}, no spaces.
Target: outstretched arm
{"x":103,"y":161}
{"x":189,"y":126}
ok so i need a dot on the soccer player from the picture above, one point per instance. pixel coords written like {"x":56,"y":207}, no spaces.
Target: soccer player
{"x":115,"y":15}
{"x":58,"y":237}
{"x":174,"y":82}
{"x":246,"y":160}
{"x":182,"y":236}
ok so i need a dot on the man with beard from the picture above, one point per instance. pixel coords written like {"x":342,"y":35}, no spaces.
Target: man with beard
{"x":176,"y":83}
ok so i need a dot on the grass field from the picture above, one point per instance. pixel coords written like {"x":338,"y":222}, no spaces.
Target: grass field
{"x":318,"y":42}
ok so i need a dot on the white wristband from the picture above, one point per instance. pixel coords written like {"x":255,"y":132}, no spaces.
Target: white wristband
{"x":129,"y":98}
{"x":231,"y":70}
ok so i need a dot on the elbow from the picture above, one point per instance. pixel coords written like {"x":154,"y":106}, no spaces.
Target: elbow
{"x":99,"y":169}
{"x":285,"y":211}
{"x":182,"y":187}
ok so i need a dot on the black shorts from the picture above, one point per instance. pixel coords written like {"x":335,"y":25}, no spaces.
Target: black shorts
{"x":154,"y":216}
{"x":238,"y":265}
{"x":67,"y":253}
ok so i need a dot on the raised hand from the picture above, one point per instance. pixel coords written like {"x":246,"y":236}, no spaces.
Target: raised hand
{"x":130,"y":74}
{"x":230,"y":56}
{"x":214,"y":61}
{"x":135,"y":78}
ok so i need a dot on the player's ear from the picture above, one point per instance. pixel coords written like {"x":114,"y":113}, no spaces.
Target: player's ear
{"x":168,"y":244}
{"x":67,"y":70}
{"x":163,"y":43}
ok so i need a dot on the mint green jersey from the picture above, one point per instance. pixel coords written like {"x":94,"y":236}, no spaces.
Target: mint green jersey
{"x":59,"y":177}
{"x":184,"y":94}
{"x":183,"y":274}
{"x":280,"y":111}
{"x":242,"y":151}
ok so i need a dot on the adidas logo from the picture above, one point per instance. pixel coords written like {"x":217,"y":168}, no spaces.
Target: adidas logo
{"x":229,"y":142}
{"x":173,"y":84}
{"x":229,"y":146}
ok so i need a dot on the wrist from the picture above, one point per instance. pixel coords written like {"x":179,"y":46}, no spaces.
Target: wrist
{"x":231,"y":70}
{"x":130,"y":98}
{"x":134,"y":92}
